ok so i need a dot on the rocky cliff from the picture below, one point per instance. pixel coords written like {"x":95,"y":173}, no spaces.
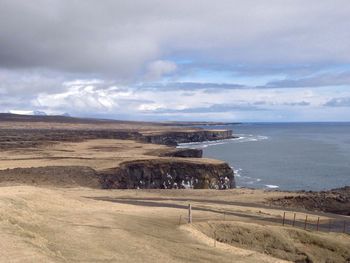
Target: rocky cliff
{"x":145,"y":174}
{"x":12,"y":138}
{"x":183,"y":152}
{"x":176,"y":137}
{"x":169,"y":174}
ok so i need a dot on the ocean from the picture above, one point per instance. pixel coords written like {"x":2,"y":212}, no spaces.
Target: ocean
{"x":285,"y":156}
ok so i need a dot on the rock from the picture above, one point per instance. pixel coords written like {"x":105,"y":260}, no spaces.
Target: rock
{"x":185,"y":153}
{"x":174,"y":138}
{"x":155,"y":174}
{"x":169,"y":174}
{"x":333,"y":201}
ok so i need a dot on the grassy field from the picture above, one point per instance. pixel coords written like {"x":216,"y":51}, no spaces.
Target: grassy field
{"x":88,"y":225}
{"x":98,"y":154}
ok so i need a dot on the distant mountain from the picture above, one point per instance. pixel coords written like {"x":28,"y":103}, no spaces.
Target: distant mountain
{"x":28,"y":112}
{"x":36,"y":113}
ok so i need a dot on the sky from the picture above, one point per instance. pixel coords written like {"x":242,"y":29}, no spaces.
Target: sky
{"x":204,"y":60}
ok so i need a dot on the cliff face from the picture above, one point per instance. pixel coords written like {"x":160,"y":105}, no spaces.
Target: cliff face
{"x":184,"y":153}
{"x":158,"y":173}
{"x":11,"y":139}
{"x":174,"y":138}
{"x":145,"y":174}
{"x":34,"y":137}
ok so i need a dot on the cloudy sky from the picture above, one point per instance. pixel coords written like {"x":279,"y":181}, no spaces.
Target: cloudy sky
{"x":225,"y":60}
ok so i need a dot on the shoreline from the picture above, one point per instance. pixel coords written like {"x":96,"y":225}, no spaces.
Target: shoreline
{"x":138,"y":159}
{"x":114,"y":154}
{"x":268,"y":164}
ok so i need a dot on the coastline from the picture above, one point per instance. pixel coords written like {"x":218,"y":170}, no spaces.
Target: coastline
{"x":148,"y":155}
{"x":114,"y":154}
{"x":293,"y":157}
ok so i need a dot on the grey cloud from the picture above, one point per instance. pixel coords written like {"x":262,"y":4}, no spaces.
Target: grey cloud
{"x":338,"y":102}
{"x":121,"y":37}
{"x":214,"y":108}
{"x":29,"y":82}
{"x":46,"y":43}
{"x":321,"y":80}
{"x":318,"y":80}
{"x":298,"y":103}
{"x":295,"y":71}
{"x":301,"y":103}
{"x":188,"y":86}
{"x":188,"y":94}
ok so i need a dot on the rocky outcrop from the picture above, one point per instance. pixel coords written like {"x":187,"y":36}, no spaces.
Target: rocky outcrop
{"x":184,"y":153}
{"x":176,"y":137}
{"x":145,"y":174}
{"x":169,"y":174}
{"x":333,"y":201}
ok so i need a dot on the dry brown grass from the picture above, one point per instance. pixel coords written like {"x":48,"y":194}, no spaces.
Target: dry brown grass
{"x":94,"y":125}
{"x":71,"y":225}
{"x":98,"y":154}
{"x":87,"y":225}
{"x":291,"y":244}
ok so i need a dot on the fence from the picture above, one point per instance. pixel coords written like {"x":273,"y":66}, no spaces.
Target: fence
{"x":315,"y":223}
{"x":301,"y":220}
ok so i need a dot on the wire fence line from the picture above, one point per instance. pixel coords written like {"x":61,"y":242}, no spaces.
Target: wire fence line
{"x":299,"y":220}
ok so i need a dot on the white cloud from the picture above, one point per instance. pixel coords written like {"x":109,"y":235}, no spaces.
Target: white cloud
{"x":166,"y":104}
{"x":150,"y":107}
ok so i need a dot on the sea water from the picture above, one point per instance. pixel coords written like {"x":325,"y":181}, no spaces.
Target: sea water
{"x":285,"y":156}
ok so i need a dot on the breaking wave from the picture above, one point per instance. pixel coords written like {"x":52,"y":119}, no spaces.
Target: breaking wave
{"x":244,"y":180}
{"x":240,"y":139}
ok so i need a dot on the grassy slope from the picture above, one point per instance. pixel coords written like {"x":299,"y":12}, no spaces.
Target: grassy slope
{"x":69,"y":225}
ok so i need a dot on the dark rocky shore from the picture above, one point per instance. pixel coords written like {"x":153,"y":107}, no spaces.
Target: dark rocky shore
{"x":333,"y":201}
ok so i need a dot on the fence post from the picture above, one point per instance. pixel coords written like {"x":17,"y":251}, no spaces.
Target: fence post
{"x":180,"y":219}
{"x":224,"y":216}
{"x":305,"y":222}
{"x":214,"y":238}
{"x":189,"y":213}
{"x":294,"y":219}
{"x":344,"y":229}
{"x":284,"y":217}
{"x":318,"y":222}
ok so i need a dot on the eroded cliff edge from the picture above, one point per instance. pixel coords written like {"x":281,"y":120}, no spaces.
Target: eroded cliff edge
{"x":169,"y":174}
{"x":142,"y":174}
{"x":176,"y":137}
